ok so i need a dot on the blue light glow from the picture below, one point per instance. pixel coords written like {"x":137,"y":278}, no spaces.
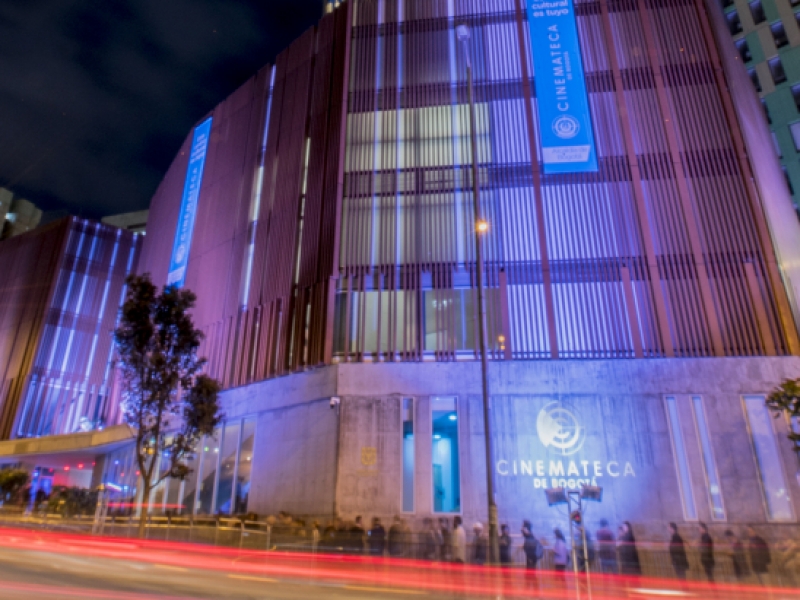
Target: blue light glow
{"x":191,"y":194}
{"x":565,"y":123}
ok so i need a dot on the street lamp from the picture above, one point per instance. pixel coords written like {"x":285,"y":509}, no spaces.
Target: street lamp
{"x":481,"y":228}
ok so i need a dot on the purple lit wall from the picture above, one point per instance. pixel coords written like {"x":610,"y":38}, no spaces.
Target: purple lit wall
{"x":58,"y":310}
{"x":335,"y":216}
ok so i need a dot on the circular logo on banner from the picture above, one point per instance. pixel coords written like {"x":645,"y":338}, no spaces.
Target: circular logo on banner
{"x":566,"y":127}
{"x":559,"y":429}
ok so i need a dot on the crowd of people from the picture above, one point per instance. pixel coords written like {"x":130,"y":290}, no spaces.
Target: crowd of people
{"x":608,"y":552}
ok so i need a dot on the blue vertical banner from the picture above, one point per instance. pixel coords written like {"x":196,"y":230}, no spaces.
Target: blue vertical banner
{"x":565,"y":120}
{"x":191,"y":194}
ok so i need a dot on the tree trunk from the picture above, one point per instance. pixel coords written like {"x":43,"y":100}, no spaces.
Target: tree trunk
{"x":145,"y":509}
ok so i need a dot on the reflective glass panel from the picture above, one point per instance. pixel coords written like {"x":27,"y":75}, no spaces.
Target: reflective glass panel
{"x":408,"y":454}
{"x":227,"y":466}
{"x":681,"y":461}
{"x":770,"y":466}
{"x":245,"y":466}
{"x":709,"y":462}
{"x":208,"y":474}
{"x":446,"y":469}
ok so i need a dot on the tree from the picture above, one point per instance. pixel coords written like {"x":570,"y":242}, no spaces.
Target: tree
{"x":785,"y":400}
{"x":166,"y":398}
{"x":12,"y":481}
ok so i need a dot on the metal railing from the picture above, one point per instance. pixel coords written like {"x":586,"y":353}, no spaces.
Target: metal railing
{"x":246,"y":534}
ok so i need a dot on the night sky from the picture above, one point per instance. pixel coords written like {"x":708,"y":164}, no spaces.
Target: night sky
{"x":96,"y":96}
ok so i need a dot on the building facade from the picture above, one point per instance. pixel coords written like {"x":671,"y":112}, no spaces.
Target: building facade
{"x":640,"y":305}
{"x":767,"y":37}
{"x":60,"y":296}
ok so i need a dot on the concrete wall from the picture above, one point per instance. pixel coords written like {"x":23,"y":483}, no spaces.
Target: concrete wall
{"x":619,"y":404}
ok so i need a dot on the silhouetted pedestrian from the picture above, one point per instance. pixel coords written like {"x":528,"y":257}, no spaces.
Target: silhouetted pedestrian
{"x":396,"y":538}
{"x":504,"y":543}
{"x":760,"y":557}
{"x":376,"y":538}
{"x":626,"y":549}
{"x":706,"y":551}
{"x":531,"y":546}
{"x":445,"y":540}
{"x":677,"y":552}
{"x":429,"y":540}
{"x":606,"y":548}
{"x":560,"y":553}
{"x":459,"y":542}
{"x":735,"y":550}
{"x":479,"y":545}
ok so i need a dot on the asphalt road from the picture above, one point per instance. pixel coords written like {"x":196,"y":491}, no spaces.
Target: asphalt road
{"x":53,"y":566}
{"x":34,"y":575}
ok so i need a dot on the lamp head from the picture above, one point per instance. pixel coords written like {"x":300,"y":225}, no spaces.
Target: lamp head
{"x":463,"y":33}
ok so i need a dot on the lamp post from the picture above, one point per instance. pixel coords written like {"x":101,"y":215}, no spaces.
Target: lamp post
{"x":481,"y":228}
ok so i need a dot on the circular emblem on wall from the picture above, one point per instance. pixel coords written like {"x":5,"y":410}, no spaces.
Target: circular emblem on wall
{"x":559,"y":429}
{"x":566,"y":127}
{"x":180,"y":254}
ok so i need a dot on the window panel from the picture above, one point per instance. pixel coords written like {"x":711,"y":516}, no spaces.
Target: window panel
{"x":709,"y":462}
{"x":242,"y":492}
{"x":681,"y":460}
{"x":227,"y":466}
{"x":778,"y":503}
{"x":408,"y":455}
{"x":446,"y":467}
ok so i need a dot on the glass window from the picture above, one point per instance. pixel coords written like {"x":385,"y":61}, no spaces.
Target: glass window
{"x":776,"y":69}
{"x":681,"y":460}
{"x":227,"y":466}
{"x":795,"y":129}
{"x":768,"y":459}
{"x":779,"y":35}
{"x":757,"y":11}
{"x":446,"y":471}
{"x":245,"y":466}
{"x":755,"y":80}
{"x":766,"y":110}
{"x":709,"y":462}
{"x":187,"y":497}
{"x":744,"y":50}
{"x":734,"y":22}
{"x":408,"y":455}
{"x":788,"y":180}
{"x":796,"y":96}
{"x":726,"y":3}
{"x":777,"y":144}
{"x":208,"y":474}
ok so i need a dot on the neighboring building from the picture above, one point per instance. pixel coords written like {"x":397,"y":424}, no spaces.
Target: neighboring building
{"x":767,"y":37}
{"x":637,"y":312}
{"x":60,"y":294}
{"x":135,"y":222}
{"x":18,"y":215}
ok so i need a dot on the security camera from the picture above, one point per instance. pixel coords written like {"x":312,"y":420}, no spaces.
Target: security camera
{"x":335,"y":401}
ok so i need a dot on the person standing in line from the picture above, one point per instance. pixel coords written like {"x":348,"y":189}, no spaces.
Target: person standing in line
{"x":531,"y":546}
{"x":560,"y":554}
{"x":480,"y":545}
{"x":760,"y":557}
{"x":315,"y":535}
{"x":376,"y":538}
{"x":429,"y":540}
{"x":396,"y":538}
{"x":677,"y":552}
{"x":607,"y":548}
{"x":459,"y":542}
{"x":706,"y":551}
{"x":505,"y":546}
{"x":357,"y":535}
{"x":445,"y":540}
{"x":735,"y":549}
{"x":628,"y":554}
